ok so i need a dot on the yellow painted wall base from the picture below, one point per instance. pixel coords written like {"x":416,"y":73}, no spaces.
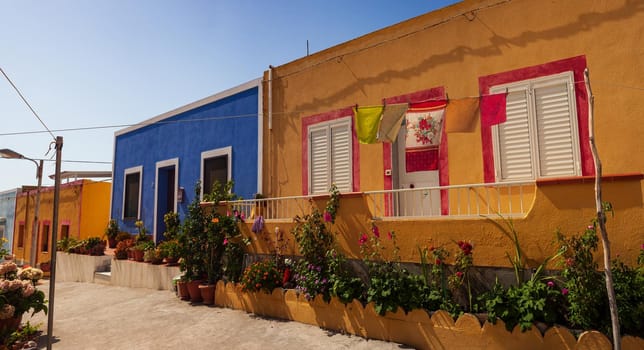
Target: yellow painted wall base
{"x":416,"y":328}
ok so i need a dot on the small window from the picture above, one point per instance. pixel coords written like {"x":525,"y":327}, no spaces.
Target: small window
{"x":215,"y":167}
{"x":330,"y":156}
{"x":21,"y":235}
{"x":44,"y":238}
{"x":64,"y":232}
{"x":132,"y":193}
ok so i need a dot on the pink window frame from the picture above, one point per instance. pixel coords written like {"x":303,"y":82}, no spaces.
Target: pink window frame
{"x":575,"y":64}
{"x":321,"y":118}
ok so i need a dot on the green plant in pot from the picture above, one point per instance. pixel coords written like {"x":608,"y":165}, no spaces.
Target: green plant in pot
{"x":191,"y":252}
{"x":111,"y":231}
{"x":170,"y":251}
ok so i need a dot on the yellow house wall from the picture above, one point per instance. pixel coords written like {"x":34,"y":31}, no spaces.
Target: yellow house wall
{"x":452,"y":48}
{"x":69,"y":212}
{"x":95,"y":209}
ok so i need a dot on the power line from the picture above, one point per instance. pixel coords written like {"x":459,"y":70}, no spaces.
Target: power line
{"x":275,"y":114}
{"x":27,"y":103}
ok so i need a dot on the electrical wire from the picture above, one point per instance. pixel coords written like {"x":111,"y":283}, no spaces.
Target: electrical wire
{"x":275,"y":114}
{"x":27,"y":103}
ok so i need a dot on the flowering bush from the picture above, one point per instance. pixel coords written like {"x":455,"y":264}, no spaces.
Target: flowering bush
{"x":390,"y":284}
{"x":18,"y":296}
{"x":261,"y":275}
{"x":31,"y":274}
{"x":314,"y":238}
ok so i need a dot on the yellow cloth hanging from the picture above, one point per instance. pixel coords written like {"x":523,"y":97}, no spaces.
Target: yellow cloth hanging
{"x":367,"y":122}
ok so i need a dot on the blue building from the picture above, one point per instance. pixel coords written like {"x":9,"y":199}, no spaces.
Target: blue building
{"x":7,"y":217}
{"x":158,"y":162}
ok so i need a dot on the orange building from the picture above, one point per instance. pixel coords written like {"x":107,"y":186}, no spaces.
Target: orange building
{"x":83,"y":212}
{"x":531,"y":162}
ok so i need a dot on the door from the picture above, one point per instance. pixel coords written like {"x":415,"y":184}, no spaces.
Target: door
{"x":166,"y":192}
{"x":415,"y":201}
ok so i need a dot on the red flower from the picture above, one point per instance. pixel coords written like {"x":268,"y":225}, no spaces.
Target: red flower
{"x":459,"y":274}
{"x":391,"y":235}
{"x":375,"y":230}
{"x":363,"y":239}
{"x":438,"y":261}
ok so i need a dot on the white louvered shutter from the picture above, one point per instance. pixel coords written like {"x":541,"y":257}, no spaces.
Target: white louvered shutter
{"x":554,"y":116}
{"x":514,"y":139}
{"x":341,"y":156}
{"x":319,"y":160}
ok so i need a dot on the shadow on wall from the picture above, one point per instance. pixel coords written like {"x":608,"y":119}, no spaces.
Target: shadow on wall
{"x":585,"y":22}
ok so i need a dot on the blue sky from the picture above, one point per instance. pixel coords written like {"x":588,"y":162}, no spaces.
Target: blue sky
{"x":102,"y":63}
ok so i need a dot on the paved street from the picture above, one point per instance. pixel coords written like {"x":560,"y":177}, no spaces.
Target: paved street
{"x":93,"y":316}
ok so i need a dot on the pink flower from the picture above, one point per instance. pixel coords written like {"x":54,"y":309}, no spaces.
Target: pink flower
{"x":225,"y":241}
{"x":564,"y":291}
{"x":642,"y":247}
{"x":551,"y":284}
{"x":363,"y":239}
{"x":591,"y":227}
{"x":391,"y":236}
{"x":328,"y":217}
{"x":570,"y":262}
{"x":375,"y":230}
{"x":459,"y":274}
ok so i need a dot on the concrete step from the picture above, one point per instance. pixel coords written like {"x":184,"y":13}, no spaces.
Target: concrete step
{"x":103,"y":277}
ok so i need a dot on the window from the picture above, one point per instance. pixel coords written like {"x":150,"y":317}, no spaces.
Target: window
{"x":330,"y":156}
{"x":44,"y":238}
{"x":21,"y":235}
{"x":215,"y":166}
{"x":540,"y":136}
{"x":64,"y":232}
{"x":132,"y":193}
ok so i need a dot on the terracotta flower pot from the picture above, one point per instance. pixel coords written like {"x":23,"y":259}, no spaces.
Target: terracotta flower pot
{"x":10,"y":325}
{"x":138,"y":255}
{"x":207,"y":293}
{"x":193,"y":290}
{"x":182,"y":287}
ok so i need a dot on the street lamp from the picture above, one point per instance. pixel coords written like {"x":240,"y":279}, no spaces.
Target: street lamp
{"x":7,"y":153}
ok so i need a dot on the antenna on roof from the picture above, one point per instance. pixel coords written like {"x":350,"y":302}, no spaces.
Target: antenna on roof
{"x":307,"y":47}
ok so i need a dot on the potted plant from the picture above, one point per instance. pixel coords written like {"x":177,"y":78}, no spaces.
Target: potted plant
{"x":111,"y":231}
{"x":122,"y":248}
{"x":140,"y":248}
{"x":17,"y":298}
{"x":169,"y":251}
{"x":153,"y":256}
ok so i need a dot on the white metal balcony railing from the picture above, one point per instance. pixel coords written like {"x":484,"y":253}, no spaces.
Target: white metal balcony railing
{"x":471,"y":200}
{"x":277,"y":208}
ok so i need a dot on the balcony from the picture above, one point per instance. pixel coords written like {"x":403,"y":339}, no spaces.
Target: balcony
{"x":509,"y":199}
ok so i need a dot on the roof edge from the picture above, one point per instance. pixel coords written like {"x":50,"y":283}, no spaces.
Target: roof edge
{"x":196,"y":104}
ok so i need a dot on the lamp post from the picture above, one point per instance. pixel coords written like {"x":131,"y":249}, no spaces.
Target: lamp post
{"x":7,"y":153}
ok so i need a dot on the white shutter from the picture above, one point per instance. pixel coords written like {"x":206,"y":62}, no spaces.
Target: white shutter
{"x":319,"y":160}
{"x":514,"y":139}
{"x":341,"y":156}
{"x":554,"y":118}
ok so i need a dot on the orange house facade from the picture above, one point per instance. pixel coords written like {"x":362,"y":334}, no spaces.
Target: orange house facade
{"x":83,"y":212}
{"x":505,"y":126}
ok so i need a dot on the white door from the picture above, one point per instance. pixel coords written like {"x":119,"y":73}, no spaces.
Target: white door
{"x":416,"y":200}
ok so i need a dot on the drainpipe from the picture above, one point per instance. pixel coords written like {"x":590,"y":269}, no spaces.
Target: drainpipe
{"x":270,"y":128}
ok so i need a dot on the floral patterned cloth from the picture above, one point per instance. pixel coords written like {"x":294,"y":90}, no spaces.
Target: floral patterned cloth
{"x":424,"y":127}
